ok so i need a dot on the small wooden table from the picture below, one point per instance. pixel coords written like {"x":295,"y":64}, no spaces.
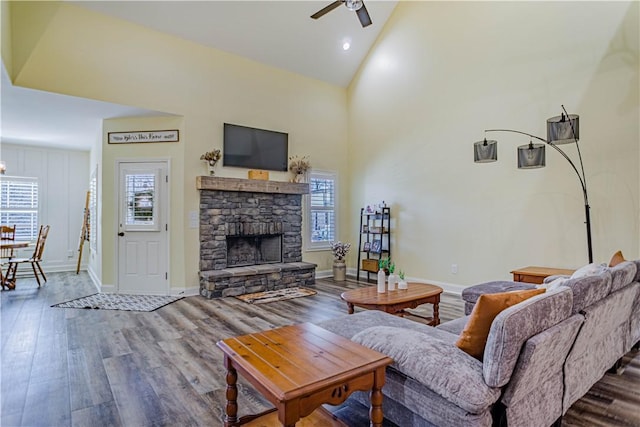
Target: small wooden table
{"x":10,"y":244}
{"x":395,"y":302}
{"x":537,"y":275}
{"x":300,"y":367}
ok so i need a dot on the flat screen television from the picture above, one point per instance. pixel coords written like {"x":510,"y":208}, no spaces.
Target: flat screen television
{"x":252,"y":148}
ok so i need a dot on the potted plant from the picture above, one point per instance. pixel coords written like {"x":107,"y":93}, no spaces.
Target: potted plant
{"x":211,"y":157}
{"x":340,"y":251}
{"x":402,"y":284}
{"x":299,"y":167}
{"x":392,"y":279}
{"x":383,"y":268}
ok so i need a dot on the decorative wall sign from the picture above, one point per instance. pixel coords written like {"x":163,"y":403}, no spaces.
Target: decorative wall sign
{"x":143,"y":136}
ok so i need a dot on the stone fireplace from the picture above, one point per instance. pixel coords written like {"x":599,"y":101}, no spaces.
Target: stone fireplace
{"x":251,"y":236}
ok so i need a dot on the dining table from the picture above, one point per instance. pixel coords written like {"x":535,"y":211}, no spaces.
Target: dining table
{"x":10,"y":244}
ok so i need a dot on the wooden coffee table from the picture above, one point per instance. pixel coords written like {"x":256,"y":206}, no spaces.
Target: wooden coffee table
{"x":300,"y":367}
{"x":395,"y":302}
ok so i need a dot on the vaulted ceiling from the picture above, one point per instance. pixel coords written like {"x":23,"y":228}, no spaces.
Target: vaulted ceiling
{"x":277,"y":33}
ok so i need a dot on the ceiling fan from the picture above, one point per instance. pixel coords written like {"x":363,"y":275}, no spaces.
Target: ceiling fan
{"x":353,"y":5}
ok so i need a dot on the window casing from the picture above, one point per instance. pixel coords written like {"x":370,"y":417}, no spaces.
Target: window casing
{"x":323,"y":223}
{"x":19,"y":205}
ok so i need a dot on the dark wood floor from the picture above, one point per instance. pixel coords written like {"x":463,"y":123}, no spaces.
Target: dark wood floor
{"x":64,"y":367}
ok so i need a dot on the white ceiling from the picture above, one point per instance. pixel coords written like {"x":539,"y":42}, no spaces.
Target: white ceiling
{"x":35,"y":117}
{"x":277,"y":33}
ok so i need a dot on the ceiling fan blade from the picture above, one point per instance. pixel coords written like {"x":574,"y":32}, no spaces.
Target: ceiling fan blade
{"x":363,"y":16}
{"x":327,"y":9}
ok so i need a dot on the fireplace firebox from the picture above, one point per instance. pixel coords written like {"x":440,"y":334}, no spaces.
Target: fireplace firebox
{"x":253,"y":250}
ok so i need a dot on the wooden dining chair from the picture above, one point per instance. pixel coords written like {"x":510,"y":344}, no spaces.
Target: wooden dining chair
{"x":7,"y":232}
{"x":35,"y":259}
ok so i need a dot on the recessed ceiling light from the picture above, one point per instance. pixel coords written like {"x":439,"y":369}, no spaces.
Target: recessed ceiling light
{"x":346,"y":46}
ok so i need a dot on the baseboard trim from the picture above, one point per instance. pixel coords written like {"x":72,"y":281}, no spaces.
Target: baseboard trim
{"x":324,"y":274}
{"x":94,"y":279}
{"x":184,"y":292}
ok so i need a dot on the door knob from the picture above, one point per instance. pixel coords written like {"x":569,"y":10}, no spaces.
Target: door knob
{"x":121,"y":233}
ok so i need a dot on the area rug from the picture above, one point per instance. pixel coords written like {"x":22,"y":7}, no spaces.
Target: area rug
{"x":119,"y":302}
{"x":279,"y":295}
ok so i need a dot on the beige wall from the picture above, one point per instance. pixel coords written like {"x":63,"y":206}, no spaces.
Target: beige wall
{"x":85,"y":54}
{"x":441,"y":73}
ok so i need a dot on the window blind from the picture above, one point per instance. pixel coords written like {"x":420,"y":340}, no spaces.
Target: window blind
{"x":19,"y":206}
{"x":322,"y":188}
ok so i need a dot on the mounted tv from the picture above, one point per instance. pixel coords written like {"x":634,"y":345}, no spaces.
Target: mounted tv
{"x":252,"y":148}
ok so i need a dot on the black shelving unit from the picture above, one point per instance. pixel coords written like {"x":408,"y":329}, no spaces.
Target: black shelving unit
{"x":374,"y":241}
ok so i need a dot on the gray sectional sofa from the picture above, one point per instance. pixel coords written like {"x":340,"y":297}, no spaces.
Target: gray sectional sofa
{"x":609,"y":303}
{"x":541,"y":355}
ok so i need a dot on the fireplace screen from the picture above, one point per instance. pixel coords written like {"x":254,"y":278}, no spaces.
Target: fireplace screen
{"x":252,"y":250}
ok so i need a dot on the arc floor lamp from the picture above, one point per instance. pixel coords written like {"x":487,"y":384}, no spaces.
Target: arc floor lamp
{"x":562,"y":129}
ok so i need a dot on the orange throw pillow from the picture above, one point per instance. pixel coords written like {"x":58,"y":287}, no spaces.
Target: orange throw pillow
{"x":474,"y":336}
{"x":616,"y":259}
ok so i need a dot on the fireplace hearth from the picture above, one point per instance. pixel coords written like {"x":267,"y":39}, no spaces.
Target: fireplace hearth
{"x":251,"y":236}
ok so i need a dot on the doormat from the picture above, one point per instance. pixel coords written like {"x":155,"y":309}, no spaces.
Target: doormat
{"x":119,"y":302}
{"x":279,"y":295}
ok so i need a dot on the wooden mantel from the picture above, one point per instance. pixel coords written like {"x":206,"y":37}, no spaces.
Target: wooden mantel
{"x":250,"y":185}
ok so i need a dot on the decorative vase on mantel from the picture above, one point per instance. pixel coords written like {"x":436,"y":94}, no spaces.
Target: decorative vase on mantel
{"x":339,"y":270}
{"x":210,"y":167}
{"x":299,"y":177}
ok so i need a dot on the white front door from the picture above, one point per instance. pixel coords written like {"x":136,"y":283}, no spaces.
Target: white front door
{"x":142,"y":228}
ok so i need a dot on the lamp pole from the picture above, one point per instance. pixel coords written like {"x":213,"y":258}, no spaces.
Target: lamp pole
{"x":581,"y":178}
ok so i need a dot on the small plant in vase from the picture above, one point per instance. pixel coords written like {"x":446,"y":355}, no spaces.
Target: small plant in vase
{"x":383,"y":268}
{"x":383,"y":265}
{"x":402,"y":284}
{"x":211,"y":157}
{"x":392,"y":279}
{"x":299,"y":167}
{"x":340,"y":251}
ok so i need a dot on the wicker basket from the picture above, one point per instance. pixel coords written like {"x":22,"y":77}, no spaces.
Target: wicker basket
{"x":370,"y":265}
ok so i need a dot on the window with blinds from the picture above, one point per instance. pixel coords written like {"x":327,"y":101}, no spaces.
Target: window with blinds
{"x":322,"y":209}
{"x":19,"y":205}
{"x":140,"y":195}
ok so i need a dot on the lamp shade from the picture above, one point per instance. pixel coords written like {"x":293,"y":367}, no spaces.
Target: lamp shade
{"x":560,"y":129}
{"x":531,"y":156}
{"x":485,"y":151}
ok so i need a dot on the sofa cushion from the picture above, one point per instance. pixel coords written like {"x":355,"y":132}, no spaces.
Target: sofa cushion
{"x":592,"y":269}
{"x":474,"y":335}
{"x":553,"y":284}
{"x":622,"y":274}
{"x":515,"y":325}
{"x":616,"y":259}
{"x":637,"y":263}
{"x":600,"y":342}
{"x":541,"y":359}
{"x":350,"y":324}
{"x":454,"y":326}
{"x":438,"y":365}
{"x":472,"y":293}
{"x":588,"y":290}
{"x":533,"y":395}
